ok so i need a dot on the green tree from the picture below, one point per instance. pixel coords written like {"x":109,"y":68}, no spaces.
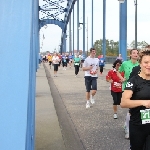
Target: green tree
{"x":139,"y":44}
{"x":111,"y":47}
{"x":98,"y":46}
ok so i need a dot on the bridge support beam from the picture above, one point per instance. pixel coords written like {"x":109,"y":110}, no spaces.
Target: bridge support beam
{"x":83,"y":28}
{"x":77,"y":26}
{"x":73,"y":32}
{"x":123,"y":30}
{"x":19,"y":50}
{"x":92,"y":43}
{"x":104,"y":28}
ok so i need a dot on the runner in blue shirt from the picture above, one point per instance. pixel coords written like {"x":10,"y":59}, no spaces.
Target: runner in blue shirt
{"x":101,"y":64}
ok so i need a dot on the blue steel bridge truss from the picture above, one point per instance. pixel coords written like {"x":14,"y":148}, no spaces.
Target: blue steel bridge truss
{"x":50,"y":13}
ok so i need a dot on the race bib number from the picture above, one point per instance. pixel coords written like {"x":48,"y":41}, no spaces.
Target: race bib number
{"x":102,"y":61}
{"x":117,"y":85}
{"x":145,"y":116}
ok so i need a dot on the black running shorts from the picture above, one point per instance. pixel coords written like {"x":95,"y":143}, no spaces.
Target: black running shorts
{"x":90,"y":83}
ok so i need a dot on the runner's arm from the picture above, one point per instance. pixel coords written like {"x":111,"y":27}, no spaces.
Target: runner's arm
{"x":126,"y":101}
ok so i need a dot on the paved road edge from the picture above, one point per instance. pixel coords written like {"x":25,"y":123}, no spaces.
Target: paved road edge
{"x":70,"y":135}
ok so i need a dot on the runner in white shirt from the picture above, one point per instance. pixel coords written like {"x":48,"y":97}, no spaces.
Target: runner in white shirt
{"x":55,"y":61}
{"x":90,"y":66}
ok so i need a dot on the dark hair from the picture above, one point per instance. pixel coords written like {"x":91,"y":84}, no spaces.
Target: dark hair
{"x":91,"y":49}
{"x":143,"y":53}
{"x":116,"y":62}
{"x":133,"y":50}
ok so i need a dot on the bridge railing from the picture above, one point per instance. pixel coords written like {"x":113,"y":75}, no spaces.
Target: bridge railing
{"x":111,"y":59}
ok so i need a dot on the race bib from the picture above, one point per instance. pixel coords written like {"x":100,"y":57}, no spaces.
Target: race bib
{"x":145,"y":116}
{"x":76,"y":63}
{"x":102,"y":61}
{"x":117,"y":85}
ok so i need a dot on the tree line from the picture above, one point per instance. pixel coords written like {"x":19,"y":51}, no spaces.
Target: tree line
{"x":112,"y":47}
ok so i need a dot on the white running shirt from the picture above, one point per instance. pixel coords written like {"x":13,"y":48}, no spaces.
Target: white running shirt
{"x":91,"y":61}
{"x":55,"y":60}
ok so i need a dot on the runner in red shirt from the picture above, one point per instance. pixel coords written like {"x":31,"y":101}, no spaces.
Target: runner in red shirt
{"x":116,"y":85}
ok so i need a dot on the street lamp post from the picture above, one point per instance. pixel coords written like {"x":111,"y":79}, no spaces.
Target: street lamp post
{"x":87,"y":33}
{"x":135,"y":3}
{"x":87,"y":37}
{"x":92,"y":25}
{"x":104,"y":28}
{"x":42,"y":37}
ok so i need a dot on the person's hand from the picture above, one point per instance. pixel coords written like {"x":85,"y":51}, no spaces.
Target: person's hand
{"x":110,"y":81}
{"x":146,"y":103}
{"x":90,"y":68}
{"x":122,"y":80}
{"x":95,"y":72}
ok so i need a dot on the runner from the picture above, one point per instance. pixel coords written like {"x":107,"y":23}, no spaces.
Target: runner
{"x":55,"y":61}
{"x":64,"y":61}
{"x":60,"y":59}
{"x":90,"y":66}
{"x":49,"y":57}
{"x":82,"y":57}
{"x":40,"y":58}
{"x":120,"y":57}
{"x":70,"y":60}
{"x":76,"y":64}
{"x":116,"y":85}
{"x":127,"y":67}
{"x":135,"y":71}
{"x":136,"y":96}
{"x":101,"y":63}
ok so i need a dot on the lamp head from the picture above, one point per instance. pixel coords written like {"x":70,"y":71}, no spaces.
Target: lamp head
{"x":79,"y":28}
{"x":121,"y":1}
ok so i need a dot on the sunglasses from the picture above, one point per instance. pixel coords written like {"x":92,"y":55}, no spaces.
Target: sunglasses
{"x":118,"y":65}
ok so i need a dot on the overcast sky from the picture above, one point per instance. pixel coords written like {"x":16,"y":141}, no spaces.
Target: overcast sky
{"x":53,"y":33}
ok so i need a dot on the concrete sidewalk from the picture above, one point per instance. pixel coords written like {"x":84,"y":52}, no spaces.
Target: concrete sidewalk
{"x":48,"y":132}
{"x":96,"y":129}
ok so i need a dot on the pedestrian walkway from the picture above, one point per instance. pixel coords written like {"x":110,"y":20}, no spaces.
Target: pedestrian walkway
{"x":91,"y":129}
{"x":48,"y":132}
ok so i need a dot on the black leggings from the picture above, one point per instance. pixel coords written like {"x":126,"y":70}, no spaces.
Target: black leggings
{"x":116,"y":97}
{"x":138,"y":134}
{"x":76,"y":69}
{"x":101,"y":69}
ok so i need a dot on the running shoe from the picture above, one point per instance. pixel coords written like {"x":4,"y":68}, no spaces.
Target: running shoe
{"x":115,"y":116}
{"x":92,"y":101}
{"x":127,"y":135}
{"x":88,"y":105}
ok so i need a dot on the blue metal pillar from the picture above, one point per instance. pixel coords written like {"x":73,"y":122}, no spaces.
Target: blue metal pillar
{"x":104,"y":28}
{"x":64,"y":43}
{"x":77,"y":26}
{"x":83,"y":28}
{"x":73,"y":31}
{"x":92,"y":26}
{"x":123,"y":30}
{"x":19,"y":39}
{"x":70,"y":35}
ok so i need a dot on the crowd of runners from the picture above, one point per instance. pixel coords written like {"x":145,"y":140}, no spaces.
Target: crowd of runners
{"x":129,"y":86}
